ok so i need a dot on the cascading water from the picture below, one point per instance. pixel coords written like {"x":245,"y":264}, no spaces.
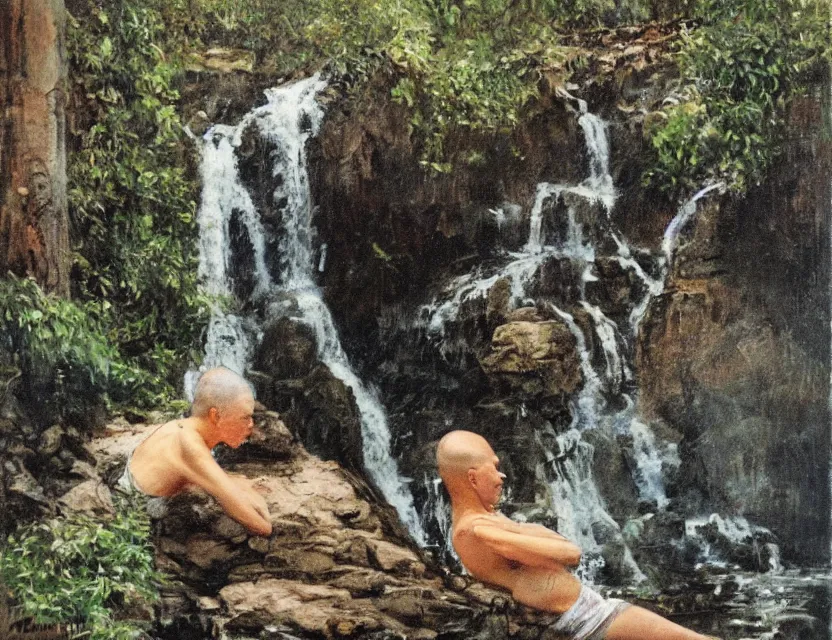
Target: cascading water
{"x":437,"y":504}
{"x":290,"y":117}
{"x":573,"y":492}
{"x":733,"y":529}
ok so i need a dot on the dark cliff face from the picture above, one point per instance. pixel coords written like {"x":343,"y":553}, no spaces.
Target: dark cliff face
{"x":732,"y":358}
{"x":735,"y":354}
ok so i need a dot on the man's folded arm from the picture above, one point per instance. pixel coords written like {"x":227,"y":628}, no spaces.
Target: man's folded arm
{"x":203,"y":471}
{"x":526,"y":528}
{"x":530,"y":550}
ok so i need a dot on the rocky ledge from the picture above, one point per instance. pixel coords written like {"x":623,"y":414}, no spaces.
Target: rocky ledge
{"x":337,"y":565}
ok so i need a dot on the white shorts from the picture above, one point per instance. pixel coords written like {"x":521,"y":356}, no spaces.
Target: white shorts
{"x":590,"y":617}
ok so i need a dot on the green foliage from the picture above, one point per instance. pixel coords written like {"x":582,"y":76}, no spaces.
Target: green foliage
{"x":740,"y":69}
{"x":461,"y":66}
{"x":77,"y":569}
{"x":131,"y":201}
{"x":466,"y":86}
{"x":47,"y":332}
{"x":63,"y":347}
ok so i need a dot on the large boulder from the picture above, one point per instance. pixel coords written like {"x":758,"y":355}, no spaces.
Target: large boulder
{"x":538,"y":357}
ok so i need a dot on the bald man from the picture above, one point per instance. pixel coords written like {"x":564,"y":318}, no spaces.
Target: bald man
{"x":531,"y":561}
{"x":177,"y":455}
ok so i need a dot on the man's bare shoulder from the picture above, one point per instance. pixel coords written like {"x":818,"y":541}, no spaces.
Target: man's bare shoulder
{"x":468,"y":523}
{"x":192,"y":444}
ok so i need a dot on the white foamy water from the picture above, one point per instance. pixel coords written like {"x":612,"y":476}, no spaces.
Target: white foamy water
{"x":519,"y":272}
{"x":686,"y":212}
{"x":650,"y":461}
{"x":737,"y":530}
{"x":579,"y":506}
{"x":439,"y":509}
{"x":616,"y":370}
{"x":289,"y":119}
{"x":599,"y":182}
{"x":586,"y":415}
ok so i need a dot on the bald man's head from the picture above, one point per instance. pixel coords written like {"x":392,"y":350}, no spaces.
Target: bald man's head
{"x":459,"y":451}
{"x":219,"y":388}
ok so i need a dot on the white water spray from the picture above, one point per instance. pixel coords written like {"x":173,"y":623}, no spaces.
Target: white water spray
{"x":686,"y":212}
{"x":290,"y":117}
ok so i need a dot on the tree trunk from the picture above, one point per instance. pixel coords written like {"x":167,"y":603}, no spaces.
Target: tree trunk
{"x":34,"y":228}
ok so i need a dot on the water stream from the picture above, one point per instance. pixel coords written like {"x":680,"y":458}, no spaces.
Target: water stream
{"x":286,"y":288}
{"x":568,"y":471}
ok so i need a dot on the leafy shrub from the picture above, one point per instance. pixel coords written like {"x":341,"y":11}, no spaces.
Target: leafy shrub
{"x":462,"y":66}
{"x":63,"y":350}
{"x":131,"y":201}
{"x":740,"y":69}
{"x":76,"y":569}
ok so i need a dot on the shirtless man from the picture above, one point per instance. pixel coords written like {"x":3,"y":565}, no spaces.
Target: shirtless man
{"x":177,"y":455}
{"x":530,"y":560}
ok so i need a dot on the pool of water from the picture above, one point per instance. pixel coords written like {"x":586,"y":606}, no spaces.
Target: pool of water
{"x":791,"y":605}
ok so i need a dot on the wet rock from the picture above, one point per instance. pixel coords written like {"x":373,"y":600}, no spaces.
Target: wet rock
{"x":796,"y":626}
{"x":537,"y":356}
{"x":617,"y":290}
{"x":499,"y":298}
{"x":303,"y":606}
{"x":205,"y":551}
{"x":287,"y":350}
{"x":228,"y":529}
{"x":393,"y":558}
{"x":526,"y":314}
{"x":715,"y":370}
{"x":329,"y":423}
{"x":560,"y":279}
{"x":613,"y":475}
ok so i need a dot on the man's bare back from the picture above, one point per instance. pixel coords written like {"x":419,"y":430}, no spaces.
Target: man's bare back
{"x":531,"y":561}
{"x":177,"y":455}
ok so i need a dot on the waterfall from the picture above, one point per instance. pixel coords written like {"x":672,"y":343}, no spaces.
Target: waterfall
{"x":572,"y":491}
{"x":586,"y":415}
{"x":686,"y":212}
{"x":617,"y":370}
{"x":543,"y":193}
{"x":578,"y":504}
{"x":599,"y":181}
{"x":289,"y":119}
{"x":650,"y":461}
{"x":438,"y":507}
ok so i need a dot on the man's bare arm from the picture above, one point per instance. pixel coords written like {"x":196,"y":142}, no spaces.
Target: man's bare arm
{"x":526,"y":528}
{"x":202,"y":470}
{"x":529,"y":528}
{"x":534,"y":551}
{"x":258,"y":502}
